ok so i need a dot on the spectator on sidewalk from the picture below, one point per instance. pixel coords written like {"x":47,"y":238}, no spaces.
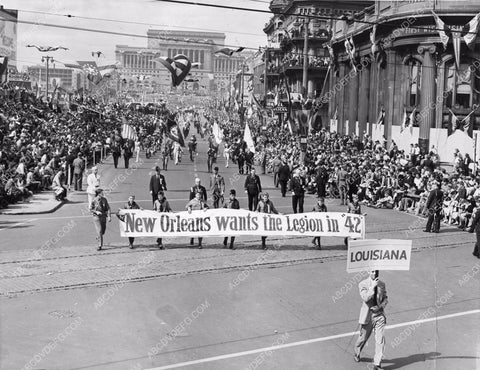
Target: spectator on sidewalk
{"x":78,"y":169}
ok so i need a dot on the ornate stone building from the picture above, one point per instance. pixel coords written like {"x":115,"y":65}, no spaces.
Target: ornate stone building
{"x":213,"y":74}
{"x":408,"y":70}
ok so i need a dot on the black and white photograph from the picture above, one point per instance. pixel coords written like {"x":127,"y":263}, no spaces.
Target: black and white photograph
{"x":239,"y":185}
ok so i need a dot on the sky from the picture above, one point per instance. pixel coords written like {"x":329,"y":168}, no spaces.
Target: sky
{"x":241,"y":28}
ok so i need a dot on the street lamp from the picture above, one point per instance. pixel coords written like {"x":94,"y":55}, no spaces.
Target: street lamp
{"x":47,"y":59}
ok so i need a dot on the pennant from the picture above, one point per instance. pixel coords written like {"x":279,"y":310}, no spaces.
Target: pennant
{"x":179,"y":67}
{"x":378,"y":53}
{"x":128,"y":132}
{"x":455,"y":120}
{"x":333,"y":60}
{"x":471,"y":31}
{"x":404,"y":121}
{"x":335,"y":115}
{"x":381,"y":117}
{"x":351,"y":50}
{"x":229,"y":52}
{"x":247,"y":137}
{"x":45,"y":49}
{"x":443,"y":30}
{"x":173,"y":132}
{"x":456,"y":39}
{"x":411,"y":119}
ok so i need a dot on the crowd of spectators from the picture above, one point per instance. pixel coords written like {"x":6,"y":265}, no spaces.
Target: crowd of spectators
{"x":39,"y":141}
{"x":340,"y":166}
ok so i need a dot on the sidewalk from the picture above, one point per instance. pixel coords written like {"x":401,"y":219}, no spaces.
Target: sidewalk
{"x":43,"y":202}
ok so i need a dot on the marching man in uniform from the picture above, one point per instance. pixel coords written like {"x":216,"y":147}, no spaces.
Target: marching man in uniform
{"x":372,"y":317}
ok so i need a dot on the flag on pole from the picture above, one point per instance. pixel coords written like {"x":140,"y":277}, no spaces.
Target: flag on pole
{"x":247,"y":137}
{"x":443,"y":30}
{"x":173,"y":132}
{"x":128,"y":132}
{"x":471,"y":31}
{"x":351,"y":50}
{"x":4,"y":69}
{"x":454,"y":120}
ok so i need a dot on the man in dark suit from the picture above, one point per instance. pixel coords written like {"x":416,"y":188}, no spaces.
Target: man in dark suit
{"x":78,"y":168}
{"x":475,"y":227}
{"x":253,"y":187}
{"x":157,"y":184}
{"x":434,"y":206}
{"x":283,"y":177}
{"x":198,"y":188}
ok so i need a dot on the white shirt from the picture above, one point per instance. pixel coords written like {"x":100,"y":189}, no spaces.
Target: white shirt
{"x":93,"y":182}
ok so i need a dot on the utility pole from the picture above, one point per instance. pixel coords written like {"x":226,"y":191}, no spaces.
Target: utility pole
{"x":306,"y":23}
{"x":47,"y":59}
{"x":265,"y":75}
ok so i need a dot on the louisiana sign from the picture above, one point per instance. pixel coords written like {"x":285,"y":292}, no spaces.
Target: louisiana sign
{"x":378,"y":254}
{"x":233,"y":222}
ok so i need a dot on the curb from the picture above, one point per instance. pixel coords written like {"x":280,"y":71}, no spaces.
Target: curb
{"x":51,"y":210}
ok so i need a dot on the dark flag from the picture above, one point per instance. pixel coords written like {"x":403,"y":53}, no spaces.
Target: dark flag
{"x":173,"y":132}
{"x":179,"y":66}
{"x":229,"y":52}
{"x":4,"y":69}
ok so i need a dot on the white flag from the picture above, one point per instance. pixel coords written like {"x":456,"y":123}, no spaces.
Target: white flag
{"x":247,"y":137}
{"x":217,"y":133}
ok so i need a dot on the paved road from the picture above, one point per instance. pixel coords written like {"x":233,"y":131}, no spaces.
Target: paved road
{"x":120,"y":303}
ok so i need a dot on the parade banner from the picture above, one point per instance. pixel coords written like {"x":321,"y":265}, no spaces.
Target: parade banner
{"x":233,"y":222}
{"x":378,"y":254}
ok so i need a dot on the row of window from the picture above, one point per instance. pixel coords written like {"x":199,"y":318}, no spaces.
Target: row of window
{"x":192,"y":54}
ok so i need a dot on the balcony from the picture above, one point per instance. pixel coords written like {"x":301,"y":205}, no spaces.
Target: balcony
{"x":320,"y":35}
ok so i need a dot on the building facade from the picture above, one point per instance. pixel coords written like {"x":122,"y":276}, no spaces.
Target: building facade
{"x":296,"y":53}
{"x":65,"y":78}
{"x":213,"y":74}
{"x":8,"y":35}
{"x":406,"y":68}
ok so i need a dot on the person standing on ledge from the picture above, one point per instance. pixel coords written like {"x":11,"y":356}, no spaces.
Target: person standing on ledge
{"x":372,"y":317}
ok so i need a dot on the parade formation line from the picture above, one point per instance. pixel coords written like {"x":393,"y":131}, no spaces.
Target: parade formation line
{"x":308,"y":341}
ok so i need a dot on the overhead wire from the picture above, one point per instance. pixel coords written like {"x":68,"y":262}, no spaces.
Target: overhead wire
{"x":134,"y":23}
{"x":310,"y":16}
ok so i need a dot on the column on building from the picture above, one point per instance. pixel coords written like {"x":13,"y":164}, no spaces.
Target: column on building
{"x":427,"y":96}
{"x":342,"y":114}
{"x":353,"y":101}
{"x":363,"y":95}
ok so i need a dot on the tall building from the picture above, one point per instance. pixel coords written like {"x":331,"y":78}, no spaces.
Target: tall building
{"x":8,"y":35}
{"x":214,"y":73}
{"x":65,"y":78}
{"x":411,"y":69}
{"x":297,"y":29}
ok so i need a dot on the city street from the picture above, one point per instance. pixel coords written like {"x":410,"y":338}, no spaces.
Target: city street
{"x":290,"y":307}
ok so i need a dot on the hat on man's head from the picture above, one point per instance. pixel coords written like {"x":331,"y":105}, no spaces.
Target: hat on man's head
{"x":233,"y":192}
{"x":98,"y":191}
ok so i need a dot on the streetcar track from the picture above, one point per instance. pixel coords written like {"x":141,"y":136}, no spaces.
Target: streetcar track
{"x":276,"y":264}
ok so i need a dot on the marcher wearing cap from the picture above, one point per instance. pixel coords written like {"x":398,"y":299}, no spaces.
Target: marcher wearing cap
{"x":217,"y":187}
{"x":100,"y":210}
{"x":232,"y":203}
{"x":265,"y":205}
